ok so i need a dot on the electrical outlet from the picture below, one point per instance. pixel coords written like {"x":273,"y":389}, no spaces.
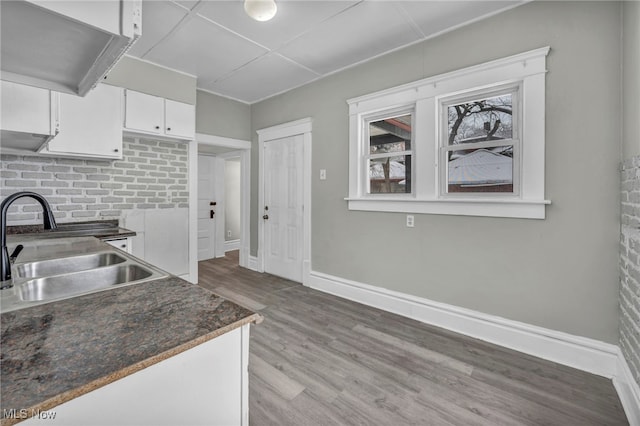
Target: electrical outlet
{"x":410,"y":221}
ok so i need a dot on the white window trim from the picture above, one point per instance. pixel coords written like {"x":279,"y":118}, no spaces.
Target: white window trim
{"x":527,"y":69}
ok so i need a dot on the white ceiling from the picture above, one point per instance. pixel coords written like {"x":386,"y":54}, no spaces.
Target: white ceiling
{"x":234,"y":56}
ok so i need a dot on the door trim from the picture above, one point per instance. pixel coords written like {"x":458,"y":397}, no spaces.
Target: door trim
{"x":299,"y":127}
{"x":243,"y":149}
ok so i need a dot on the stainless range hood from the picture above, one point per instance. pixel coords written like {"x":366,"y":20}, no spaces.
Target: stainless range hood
{"x":65,"y":46}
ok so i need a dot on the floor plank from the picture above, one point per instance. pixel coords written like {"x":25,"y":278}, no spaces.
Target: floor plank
{"x":318,"y":359}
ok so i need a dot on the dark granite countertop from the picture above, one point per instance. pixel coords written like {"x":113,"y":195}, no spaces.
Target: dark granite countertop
{"x":55,"y":352}
{"x":103,"y":229}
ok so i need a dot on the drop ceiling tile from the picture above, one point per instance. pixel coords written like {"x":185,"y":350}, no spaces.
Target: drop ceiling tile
{"x":433,"y":17}
{"x":292,"y":19}
{"x":204,"y":49}
{"x":187,"y":3}
{"x":262,"y":78}
{"x":364,"y":31}
{"x":157,"y":18}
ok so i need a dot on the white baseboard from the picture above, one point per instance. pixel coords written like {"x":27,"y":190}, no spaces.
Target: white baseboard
{"x":585,"y":354}
{"x":578,"y":352}
{"x":253,"y":263}
{"x":628,"y":390}
{"x":231,"y":245}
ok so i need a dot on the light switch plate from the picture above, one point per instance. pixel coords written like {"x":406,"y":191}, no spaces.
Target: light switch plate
{"x":323,"y":174}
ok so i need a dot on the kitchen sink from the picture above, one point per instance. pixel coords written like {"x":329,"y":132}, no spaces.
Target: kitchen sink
{"x":67,"y":265}
{"x":62,"y":286}
{"x":42,"y":281}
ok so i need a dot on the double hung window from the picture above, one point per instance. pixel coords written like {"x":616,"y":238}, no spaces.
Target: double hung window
{"x":469,"y":142}
{"x":481,"y":144}
{"x":389,"y":153}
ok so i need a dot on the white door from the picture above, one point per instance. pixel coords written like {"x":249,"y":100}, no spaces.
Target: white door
{"x":206,"y":205}
{"x":283,"y":209}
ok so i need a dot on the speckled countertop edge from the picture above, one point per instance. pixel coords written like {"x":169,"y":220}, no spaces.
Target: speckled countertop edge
{"x":110,"y":378}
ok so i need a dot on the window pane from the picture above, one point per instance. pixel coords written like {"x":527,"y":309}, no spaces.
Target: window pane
{"x":390,"y":175}
{"x":390,"y":135}
{"x":481,"y":170}
{"x":482,"y":120}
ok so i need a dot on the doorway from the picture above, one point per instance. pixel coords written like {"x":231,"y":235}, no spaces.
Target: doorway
{"x":284,"y":200}
{"x":218,"y":148}
{"x":208,"y":180}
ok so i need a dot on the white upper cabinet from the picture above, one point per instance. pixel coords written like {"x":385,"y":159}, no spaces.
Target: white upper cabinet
{"x":179,"y":119}
{"x":152,"y":115}
{"x":65,"y":46}
{"x":90,"y":127}
{"x":29,"y":116}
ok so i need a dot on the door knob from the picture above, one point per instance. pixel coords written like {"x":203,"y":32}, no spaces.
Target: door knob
{"x":265,"y":217}
{"x":211,"y":213}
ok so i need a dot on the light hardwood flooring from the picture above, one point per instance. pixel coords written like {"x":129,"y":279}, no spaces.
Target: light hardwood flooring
{"x":317,"y":359}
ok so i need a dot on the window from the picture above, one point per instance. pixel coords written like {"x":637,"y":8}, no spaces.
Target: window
{"x":480,"y":144}
{"x":469,"y":142}
{"x":388,"y":161}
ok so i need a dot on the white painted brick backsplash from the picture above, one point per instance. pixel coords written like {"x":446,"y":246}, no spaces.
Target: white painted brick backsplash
{"x":151,"y":175}
{"x":630,"y":264}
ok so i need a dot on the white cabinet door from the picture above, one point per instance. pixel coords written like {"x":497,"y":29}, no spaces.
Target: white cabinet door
{"x":90,"y":126}
{"x":29,"y":115}
{"x":144,"y":113}
{"x":123,"y":244}
{"x":152,"y":115}
{"x":180,"y":119}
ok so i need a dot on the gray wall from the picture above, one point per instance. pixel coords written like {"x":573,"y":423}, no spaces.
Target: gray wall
{"x":219,"y":116}
{"x":630,"y":192}
{"x":560,"y":273}
{"x":631,"y":79}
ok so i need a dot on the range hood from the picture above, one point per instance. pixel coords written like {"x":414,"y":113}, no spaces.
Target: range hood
{"x":65,"y":46}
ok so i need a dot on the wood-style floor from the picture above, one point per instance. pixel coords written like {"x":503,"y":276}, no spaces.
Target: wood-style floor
{"x":317,"y":359}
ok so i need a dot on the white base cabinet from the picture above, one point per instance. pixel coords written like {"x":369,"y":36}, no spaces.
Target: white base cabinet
{"x":206,"y":385}
{"x":124,"y":244}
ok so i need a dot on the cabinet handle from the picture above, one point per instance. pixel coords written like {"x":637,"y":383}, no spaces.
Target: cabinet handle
{"x":168,"y":129}
{"x":115,"y":150}
{"x":157,"y":127}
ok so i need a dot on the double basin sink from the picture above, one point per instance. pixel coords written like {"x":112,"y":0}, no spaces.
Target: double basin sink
{"x":42,"y":281}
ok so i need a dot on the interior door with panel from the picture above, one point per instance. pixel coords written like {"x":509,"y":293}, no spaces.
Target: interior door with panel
{"x":206,"y":207}
{"x":283,"y":209}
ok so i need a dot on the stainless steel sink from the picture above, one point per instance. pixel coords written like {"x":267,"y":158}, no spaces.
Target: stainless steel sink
{"x":43,"y":281}
{"x":67,"y":265}
{"x":62,"y":286}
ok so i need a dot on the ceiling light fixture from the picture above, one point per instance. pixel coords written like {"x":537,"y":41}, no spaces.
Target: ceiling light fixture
{"x":260,"y":10}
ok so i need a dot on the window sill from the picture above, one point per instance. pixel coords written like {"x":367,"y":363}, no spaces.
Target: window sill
{"x":525,"y":209}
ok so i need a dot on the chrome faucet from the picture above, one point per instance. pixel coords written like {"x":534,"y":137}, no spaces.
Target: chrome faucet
{"x":48,"y":220}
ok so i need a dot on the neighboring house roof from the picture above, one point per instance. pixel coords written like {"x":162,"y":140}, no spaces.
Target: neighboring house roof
{"x":396,"y":171}
{"x":481,"y":167}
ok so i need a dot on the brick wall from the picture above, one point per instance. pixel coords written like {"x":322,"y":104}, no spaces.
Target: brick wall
{"x":630,"y":265}
{"x":152,"y":174}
